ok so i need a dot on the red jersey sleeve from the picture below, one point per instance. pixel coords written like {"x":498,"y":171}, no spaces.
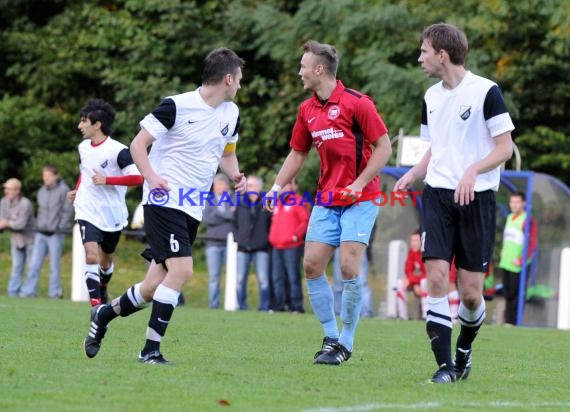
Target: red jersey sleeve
{"x":372,"y":125}
{"x":301,"y":139}
{"x":128,"y":180}
{"x":78,"y":182}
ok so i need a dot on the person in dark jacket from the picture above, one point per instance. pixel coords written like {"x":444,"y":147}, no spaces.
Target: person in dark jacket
{"x":252,"y":236}
{"x":219,"y":220}
{"x":54,"y":217}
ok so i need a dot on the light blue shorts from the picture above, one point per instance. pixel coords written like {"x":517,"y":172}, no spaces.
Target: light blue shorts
{"x":335,"y":224}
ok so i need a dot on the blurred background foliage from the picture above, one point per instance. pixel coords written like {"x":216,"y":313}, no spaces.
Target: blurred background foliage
{"x":57,"y":54}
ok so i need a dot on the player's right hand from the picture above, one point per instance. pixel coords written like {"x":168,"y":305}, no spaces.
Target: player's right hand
{"x":240,"y":182}
{"x":157,"y":182}
{"x":405,"y":182}
{"x":270,"y":197}
{"x":269,"y":204}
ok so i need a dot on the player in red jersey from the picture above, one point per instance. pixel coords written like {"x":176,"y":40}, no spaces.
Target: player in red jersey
{"x":353,"y":145}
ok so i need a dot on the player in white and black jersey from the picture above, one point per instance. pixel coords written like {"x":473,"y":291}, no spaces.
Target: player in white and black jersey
{"x":106,"y":169}
{"x":467,"y":123}
{"x":192,"y":134}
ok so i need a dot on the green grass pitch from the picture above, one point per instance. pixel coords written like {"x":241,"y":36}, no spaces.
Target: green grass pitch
{"x":250,"y":361}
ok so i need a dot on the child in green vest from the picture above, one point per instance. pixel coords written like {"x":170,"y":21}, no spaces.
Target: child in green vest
{"x":512,"y":252}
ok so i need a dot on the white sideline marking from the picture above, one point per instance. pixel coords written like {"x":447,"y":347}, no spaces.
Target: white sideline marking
{"x":438,"y":405}
{"x":379,"y":406}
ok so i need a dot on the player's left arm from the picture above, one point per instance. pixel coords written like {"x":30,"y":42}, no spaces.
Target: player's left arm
{"x":499,"y":125}
{"x":382,"y":150}
{"x":502,"y":152}
{"x":377,"y":134}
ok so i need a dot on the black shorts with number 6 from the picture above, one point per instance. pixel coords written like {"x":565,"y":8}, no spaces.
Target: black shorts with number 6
{"x":170,"y":232}
{"x":466,"y":232}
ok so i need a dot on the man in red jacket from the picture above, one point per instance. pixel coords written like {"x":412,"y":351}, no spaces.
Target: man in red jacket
{"x":287,"y":236}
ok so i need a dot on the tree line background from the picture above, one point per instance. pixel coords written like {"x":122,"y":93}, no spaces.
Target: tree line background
{"x":57,"y":54}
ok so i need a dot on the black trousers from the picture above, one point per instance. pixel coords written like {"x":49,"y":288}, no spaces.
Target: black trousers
{"x":511,"y":291}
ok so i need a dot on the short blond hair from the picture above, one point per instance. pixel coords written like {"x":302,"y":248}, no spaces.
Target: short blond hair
{"x":13,"y":183}
{"x":327,"y":55}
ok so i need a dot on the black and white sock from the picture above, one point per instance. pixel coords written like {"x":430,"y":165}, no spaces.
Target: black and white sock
{"x":105,"y":275}
{"x":128,"y":303}
{"x":471,"y":321}
{"x":438,"y":327}
{"x":164,"y":301}
{"x":92,"y":281}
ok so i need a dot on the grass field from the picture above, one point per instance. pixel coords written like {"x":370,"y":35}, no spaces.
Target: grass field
{"x":250,"y":361}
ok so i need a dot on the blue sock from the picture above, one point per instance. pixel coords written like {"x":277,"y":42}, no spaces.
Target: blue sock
{"x":350,"y":311}
{"x":322,"y":301}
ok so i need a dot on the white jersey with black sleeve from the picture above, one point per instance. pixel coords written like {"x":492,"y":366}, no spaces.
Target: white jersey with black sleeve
{"x":103,"y":205}
{"x":190,"y":137}
{"x":461,"y":125}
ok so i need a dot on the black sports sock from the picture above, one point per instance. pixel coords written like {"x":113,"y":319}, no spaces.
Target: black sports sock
{"x":92,"y":282}
{"x":106,"y":314}
{"x":128,"y":302}
{"x":440,"y":339}
{"x":150,"y":346}
{"x":466,"y":336}
{"x":159,"y":319}
{"x":105,"y":278}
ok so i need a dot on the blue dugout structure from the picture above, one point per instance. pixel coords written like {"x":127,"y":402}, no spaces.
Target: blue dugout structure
{"x":548,"y":200}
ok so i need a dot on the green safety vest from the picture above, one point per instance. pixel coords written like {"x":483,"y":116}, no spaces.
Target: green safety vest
{"x":513,"y":242}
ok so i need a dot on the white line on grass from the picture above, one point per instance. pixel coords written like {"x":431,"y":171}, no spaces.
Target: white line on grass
{"x":437,"y":405}
{"x":378,"y":406}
